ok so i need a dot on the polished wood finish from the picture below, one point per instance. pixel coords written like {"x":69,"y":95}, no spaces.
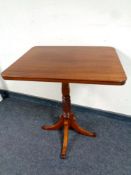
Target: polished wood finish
{"x":67,"y":120}
{"x":69,"y":64}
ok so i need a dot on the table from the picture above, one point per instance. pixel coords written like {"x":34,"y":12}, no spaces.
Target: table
{"x":68,"y":64}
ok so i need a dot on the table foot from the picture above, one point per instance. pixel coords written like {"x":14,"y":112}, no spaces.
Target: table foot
{"x":68,"y":123}
{"x":65,"y":139}
{"x":57,"y":125}
{"x":80,"y":130}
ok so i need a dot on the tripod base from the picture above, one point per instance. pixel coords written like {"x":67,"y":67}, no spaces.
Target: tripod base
{"x":67,"y":123}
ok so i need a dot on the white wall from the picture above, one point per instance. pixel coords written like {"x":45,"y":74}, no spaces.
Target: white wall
{"x":24,"y":24}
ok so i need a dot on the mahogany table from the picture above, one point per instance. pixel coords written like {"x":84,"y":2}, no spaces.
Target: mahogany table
{"x":68,"y":64}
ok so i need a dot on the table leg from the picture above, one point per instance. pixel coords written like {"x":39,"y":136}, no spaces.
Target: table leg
{"x":67,"y":120}
{"x":57,"y":125}
{"x":65,"y":139}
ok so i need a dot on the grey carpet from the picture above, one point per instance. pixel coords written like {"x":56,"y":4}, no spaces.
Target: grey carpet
{"x":25,"y":149}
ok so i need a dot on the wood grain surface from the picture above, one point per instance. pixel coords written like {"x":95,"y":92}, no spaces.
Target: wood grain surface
{"x":68,"y":64}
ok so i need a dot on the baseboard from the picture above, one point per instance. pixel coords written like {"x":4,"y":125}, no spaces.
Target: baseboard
{"x":55,"y":103}
{"x":1,"y":98}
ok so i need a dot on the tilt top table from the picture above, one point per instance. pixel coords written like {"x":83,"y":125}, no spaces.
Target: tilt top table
{"x":68,"y":64}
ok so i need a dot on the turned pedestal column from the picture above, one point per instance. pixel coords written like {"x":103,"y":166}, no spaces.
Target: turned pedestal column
{"x":67,"y":120}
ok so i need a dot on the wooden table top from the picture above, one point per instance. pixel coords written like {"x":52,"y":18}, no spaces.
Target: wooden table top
{"x":69,"y":64}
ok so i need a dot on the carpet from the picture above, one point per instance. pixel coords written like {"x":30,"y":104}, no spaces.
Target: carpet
{"x":26,"y":149}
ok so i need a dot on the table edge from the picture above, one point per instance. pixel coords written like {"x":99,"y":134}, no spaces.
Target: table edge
{"x":99,"y":82}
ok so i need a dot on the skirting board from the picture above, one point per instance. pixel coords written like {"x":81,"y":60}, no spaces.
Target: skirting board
{"x":55,"y":103}
{"x":1,"y":98}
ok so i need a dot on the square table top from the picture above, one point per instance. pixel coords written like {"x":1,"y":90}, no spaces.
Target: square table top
{"x":68,"y":64}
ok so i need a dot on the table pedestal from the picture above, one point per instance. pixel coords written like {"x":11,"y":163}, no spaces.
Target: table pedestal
{"x":67,"y":120}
